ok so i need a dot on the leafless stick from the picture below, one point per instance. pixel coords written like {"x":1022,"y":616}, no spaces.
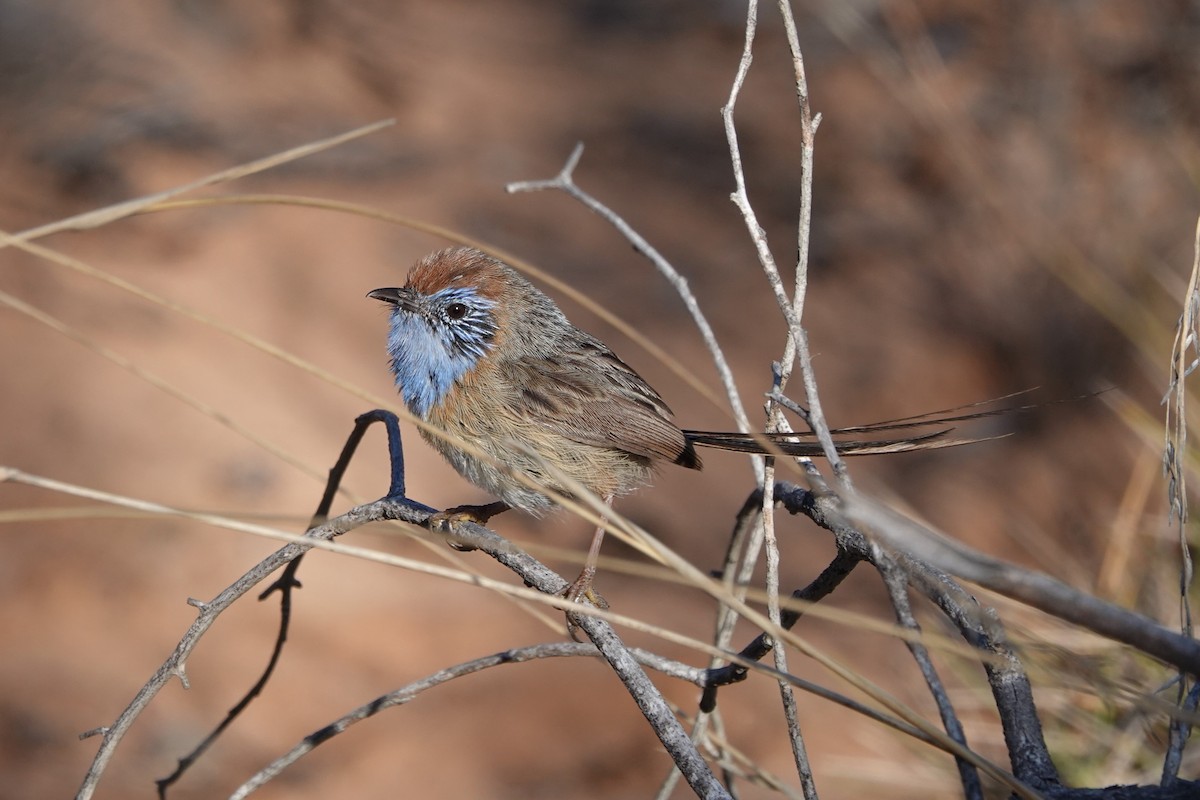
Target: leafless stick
{"x":1031,"y":762}
{"x":736,"y":764}
{"x":808,"y":133}
{"x":1181,"y":730}
{"x":286,"y":584}
{"x":565,"y":182}
{"x":901,"y":533}
{"x":406,"y":693}
{"x":647,"y":696}
{"x":815,"y":413}
{"x":821,"y":586}
{"x":548,"y":582}
{"x":175,"y":665}
{"x":797,"y":345}
{"x":896,"y":581}
{"x":765,"y":531}
{"x":735,"y":573}
{"x":745,"y":546}
{"x":787,"y":696}
{"x":1009,"y":683}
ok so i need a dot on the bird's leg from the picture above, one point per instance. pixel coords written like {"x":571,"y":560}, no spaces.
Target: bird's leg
{"x":582,"y":586}
{"x":444,"y":521}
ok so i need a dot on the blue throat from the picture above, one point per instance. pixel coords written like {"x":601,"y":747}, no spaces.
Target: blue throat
{"x":428,"y":357}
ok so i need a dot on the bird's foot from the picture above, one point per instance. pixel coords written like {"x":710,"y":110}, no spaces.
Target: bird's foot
{"x":446,"y":521}
{"x":581,"y":588}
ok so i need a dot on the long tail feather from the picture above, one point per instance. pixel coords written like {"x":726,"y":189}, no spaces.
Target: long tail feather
{"x":775,"y":443}
{"x":787,"y":444}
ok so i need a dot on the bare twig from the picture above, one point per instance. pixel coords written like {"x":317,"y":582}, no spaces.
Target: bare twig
{"x":565,"y":182}
{"x":734,"y":572}
{"x":645,"y":694}
{"x":808,"y":134}
{"x":896,"y":581}
{"x":901,"y":533}
{"x":287,"y":583}
{"x":797,"y":345}
{"x":786,"y":695}
{"x":548,"y":586}
{"x":1031,"y":762}
{"x":535,"y":574}
{"x":1181,"y":729}
{"x":776,"y":422}
{"x":174,"y":666}
{"x":406,"y":693}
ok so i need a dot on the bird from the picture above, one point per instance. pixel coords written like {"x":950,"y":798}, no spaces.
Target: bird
{"x":483,"y":356}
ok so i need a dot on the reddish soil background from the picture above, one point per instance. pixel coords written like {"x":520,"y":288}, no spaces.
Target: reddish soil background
{"x":1005,"y":199}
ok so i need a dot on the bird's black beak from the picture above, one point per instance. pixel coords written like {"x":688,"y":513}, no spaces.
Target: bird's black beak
{"x":401,"y":297}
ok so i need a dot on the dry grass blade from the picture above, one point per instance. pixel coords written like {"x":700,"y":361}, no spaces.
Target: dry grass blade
{"x":1185,"y":355}
{"x":103,"y":216}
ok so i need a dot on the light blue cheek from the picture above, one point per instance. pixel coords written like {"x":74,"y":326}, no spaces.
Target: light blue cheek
{"x":423,"y":362}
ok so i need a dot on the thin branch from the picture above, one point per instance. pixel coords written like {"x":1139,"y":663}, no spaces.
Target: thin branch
{"x":808,"y":134}
{"x":735,"y":572}
{"x":797,"y":345}
{"x":1039,"y":590}
{"x":287,"y":583}
{"x":1030,"y":758}
{"x":646,"y":695}
{"x":533,"y":572}
{"x":786,"y":694}
{"x":896,"y":581}
{"x":547,"y":585}
{"x":410,"y":691}
{"x":736,"y":764}
{"x":174,"y":666}
{"x":824,"y":584}
{"x":1181,"y":730}
{"x":565,"y":182}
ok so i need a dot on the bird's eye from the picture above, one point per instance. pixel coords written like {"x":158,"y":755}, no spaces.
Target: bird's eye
{"x":456,"y":310}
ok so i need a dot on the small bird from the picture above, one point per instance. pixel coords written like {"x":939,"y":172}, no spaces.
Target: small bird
{"x":480,"y":353}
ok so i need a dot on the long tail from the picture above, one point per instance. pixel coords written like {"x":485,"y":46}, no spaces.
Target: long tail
{"x":789,"y":443}
{"x":775,"y":443}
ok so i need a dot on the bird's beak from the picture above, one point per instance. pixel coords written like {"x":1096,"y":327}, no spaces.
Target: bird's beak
{"x":402,"y":297}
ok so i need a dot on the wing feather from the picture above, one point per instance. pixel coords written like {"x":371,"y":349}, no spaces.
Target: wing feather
{"x":589,"y":395}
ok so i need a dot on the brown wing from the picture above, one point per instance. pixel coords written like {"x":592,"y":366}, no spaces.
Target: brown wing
{"x":591,"y":396}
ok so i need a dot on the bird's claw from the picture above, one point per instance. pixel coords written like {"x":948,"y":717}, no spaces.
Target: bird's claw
{"x":581,"y":588}
{"x":446,"y":521}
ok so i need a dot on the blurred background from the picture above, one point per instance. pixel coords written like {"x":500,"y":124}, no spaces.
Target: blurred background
{"x":1005,"y":198}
